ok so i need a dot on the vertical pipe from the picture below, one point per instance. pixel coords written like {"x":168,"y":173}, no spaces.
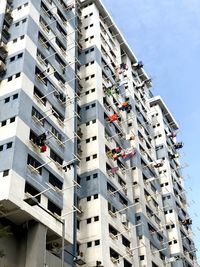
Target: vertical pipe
{"x":63,"y":243}
{"x":75,"y":148}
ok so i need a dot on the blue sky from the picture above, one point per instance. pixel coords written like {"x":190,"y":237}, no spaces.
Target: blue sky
{"x":165,"y":35}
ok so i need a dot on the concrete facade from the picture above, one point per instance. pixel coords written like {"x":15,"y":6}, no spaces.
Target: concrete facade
{"x":89,"y":174}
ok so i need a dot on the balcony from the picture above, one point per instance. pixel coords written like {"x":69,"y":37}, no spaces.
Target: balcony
{"x":5,"y":34}
{"x":8,"y":16}
{"x":3,"y":51}
{"x":2,"y":69}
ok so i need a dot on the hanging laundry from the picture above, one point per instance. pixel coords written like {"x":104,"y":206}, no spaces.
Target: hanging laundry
{"x":125,"y":106}
{"x":113,"y":118}
{"x":173,"y":156}
{"x":129,"y":155}
{"x":178,"y":145}
{"x":109,"y":154}
{"x":187,"y":222}
{"x":123,"y":66}
{"x":138,"y":65}
{"x":108,"y":91}
{"x":114,"y":169}
{"x":158,"y":165}
{"x":117,"y":155}
{"x":116,"y":150}
{"x":172,"y":134}
{"x":43,"y":148}
{"x":40,"y":140}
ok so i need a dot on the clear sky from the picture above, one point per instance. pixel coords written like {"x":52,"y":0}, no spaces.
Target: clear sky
{"x":165,"y":35}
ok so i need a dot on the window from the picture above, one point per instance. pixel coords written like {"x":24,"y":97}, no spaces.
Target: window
{"x":5,"y":173}
{"x":9,"y":78}
{"x":12,"y":119}
{"x":141,"y":257}
{"x":3,"y":123}
{"x":96,"y":196}
{"x":20,"y":55}
{"x":32,"y":191}
{"x":127,"y":264}
{"x":89,"y":244}
{"x":87,"y":158}
{"x":53,"y":208}
{"x":53,"y":180}
{"x":125,"y":242}
{"x":9,"y":145}
{"x":17,"y":75}
{"x":34,"y":163}
{"x":96,"y":218}
{"x":78,"y":224}
{"x":12,"y":59}
{"x":37,"y":115}
{"x":87,"y":178}
{"x":93,"y":121}
{"x":97,"y":242}
{"x":94,"y":156}
{"x":24,"y":20}
{"x":15,"y":96}
{"x":57,"y":114}
{"x":93,"y":105}
{"x":55,"y":157}
{"x":1,"y":148}
{"x":89,"y":220}
{"x":7,"y":99}
{"x":56,"y":133}
{"x":89,"y":198}
{"x":95,"y":175}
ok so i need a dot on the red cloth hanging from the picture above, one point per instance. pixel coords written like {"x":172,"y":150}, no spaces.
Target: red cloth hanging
{"x":43,"y":148}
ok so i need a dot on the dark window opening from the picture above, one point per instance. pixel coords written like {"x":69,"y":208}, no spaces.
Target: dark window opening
{"x":53,"y":180}
{"x":53,"y":208}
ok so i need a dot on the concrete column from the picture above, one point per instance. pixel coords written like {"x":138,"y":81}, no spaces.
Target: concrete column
{"x":36,"y":245}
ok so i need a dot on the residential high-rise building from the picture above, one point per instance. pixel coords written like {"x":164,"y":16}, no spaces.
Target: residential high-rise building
{"x":89,"y":168}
